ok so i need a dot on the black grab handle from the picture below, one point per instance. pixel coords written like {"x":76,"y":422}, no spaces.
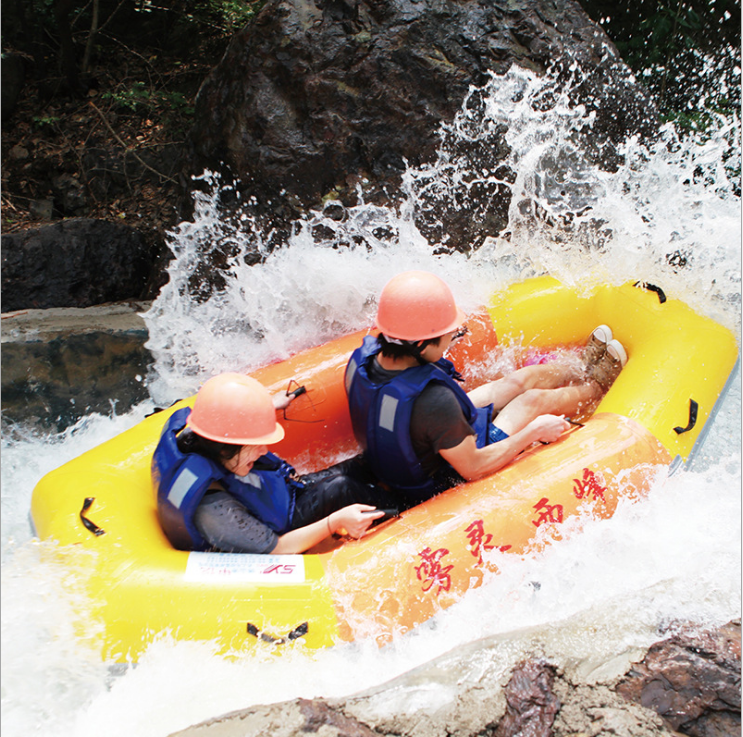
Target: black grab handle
{"x":299,"y":631}
{"x":89,"y":524}
{"x":693,"y":409}
{"x":651,"y":288}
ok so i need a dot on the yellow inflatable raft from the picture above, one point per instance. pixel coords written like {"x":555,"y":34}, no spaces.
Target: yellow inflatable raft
{"x":101,"y":507}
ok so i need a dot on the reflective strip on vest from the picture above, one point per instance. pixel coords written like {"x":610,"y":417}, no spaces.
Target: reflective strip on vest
{"x":350,"y":373}
{"x":387,"y":412}
{"x":253,"y":479}
{"x":181,"y":486}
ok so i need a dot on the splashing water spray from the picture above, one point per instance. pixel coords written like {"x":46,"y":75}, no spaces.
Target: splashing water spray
{"x":667,"y":212}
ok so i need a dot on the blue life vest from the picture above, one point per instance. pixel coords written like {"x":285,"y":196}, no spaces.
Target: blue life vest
{"x":380,"y":414}
{"x":182,"y":479}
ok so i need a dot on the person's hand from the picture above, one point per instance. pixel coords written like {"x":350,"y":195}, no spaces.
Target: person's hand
{"x":282,"y":401}
{"x":354,"y":520}
{"x":548,"y":428}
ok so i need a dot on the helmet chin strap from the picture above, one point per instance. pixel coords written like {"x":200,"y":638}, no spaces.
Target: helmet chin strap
{"x":417,"y":351}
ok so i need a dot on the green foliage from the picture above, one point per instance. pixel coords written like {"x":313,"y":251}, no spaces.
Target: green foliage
{"x":235,"y":13}
{"x":177,"y":103}
{"x":229,"y":15}
{"x":686,"y":52}
{"x":226,"y":16}
{"x":44,"y":121}
{"x":138,"y":98}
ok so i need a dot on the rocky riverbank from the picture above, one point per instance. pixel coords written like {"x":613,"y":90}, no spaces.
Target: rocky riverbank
{"x":60,"y":364}
{"x":686,"y":684}
{"x":315,"y":105}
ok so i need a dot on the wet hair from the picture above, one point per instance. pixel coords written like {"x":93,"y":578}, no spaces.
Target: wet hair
{"x":189,"y":442}
{"x":408,"y":348}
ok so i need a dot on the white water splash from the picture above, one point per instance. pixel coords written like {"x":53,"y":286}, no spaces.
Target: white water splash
{"x":667,"y":215}
{"x":671,"y":558}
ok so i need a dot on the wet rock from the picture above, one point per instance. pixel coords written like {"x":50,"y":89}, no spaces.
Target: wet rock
{"x":532,"y":703}
{"x":536,"y":698}
{"x":315,"y":96}
{"x":59,"y":365}
{"x":74,"y":263}
{"x":692,"y":681}
{"x":542,"y":704}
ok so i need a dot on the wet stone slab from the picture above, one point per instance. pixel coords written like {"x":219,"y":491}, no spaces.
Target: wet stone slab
{"x":59,"y":365}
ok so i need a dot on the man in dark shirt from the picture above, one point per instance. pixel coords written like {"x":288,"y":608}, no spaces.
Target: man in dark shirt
{"x":419,"y":321}
{"x":436,"y":423}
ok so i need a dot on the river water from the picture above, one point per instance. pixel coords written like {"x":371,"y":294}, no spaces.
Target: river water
{"x":670,"y":215}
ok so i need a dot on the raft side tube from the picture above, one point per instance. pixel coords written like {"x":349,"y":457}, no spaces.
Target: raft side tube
{"x":402,"y":574}
{"x":675,"y":355}
{"x":210,"y":597}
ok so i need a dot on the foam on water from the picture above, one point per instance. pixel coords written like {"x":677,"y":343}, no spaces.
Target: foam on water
{"x":609,"y":586}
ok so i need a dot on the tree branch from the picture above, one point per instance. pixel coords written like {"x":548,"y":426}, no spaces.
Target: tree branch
{"x":116,"y":136}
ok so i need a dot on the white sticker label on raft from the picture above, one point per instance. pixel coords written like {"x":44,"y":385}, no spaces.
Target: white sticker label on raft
{"x":237,"y":567}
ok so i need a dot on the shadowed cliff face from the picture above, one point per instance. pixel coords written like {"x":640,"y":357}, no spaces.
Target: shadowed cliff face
{"x":314,"y":97}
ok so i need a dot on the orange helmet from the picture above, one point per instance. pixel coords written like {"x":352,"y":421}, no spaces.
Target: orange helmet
{"x":417,"y":305}
{"x":237,"y":409}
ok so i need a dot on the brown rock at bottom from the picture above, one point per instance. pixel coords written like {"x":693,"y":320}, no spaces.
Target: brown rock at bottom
{"x":692,"y":681}
{"x":531,"y":701}
{"x":698,"y":676}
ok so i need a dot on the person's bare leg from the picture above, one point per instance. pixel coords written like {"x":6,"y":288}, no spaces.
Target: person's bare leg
{"x":502,"y":391}
{"x":568,"y":400}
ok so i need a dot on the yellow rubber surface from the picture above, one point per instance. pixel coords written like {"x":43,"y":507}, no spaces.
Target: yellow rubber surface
{"x":135,"y":586}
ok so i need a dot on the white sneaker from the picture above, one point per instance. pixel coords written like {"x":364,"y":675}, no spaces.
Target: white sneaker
{"x":616,"y":350}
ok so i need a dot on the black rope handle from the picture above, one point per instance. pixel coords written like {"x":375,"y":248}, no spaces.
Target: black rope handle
{"x":693,"y":410}
{"x":296,"y":633}
{"x":89,"y":524}
{"x":298,"y":393}
{"x":651,"y":288}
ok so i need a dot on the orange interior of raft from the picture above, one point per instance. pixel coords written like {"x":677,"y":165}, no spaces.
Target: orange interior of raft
{"x":406,"y":569}
{"x":394,"y":579}
{"x":318,"y":423}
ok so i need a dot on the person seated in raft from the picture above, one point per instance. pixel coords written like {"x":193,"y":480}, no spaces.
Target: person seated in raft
{"x":420,"y":431}
{"x":218,"y":487}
